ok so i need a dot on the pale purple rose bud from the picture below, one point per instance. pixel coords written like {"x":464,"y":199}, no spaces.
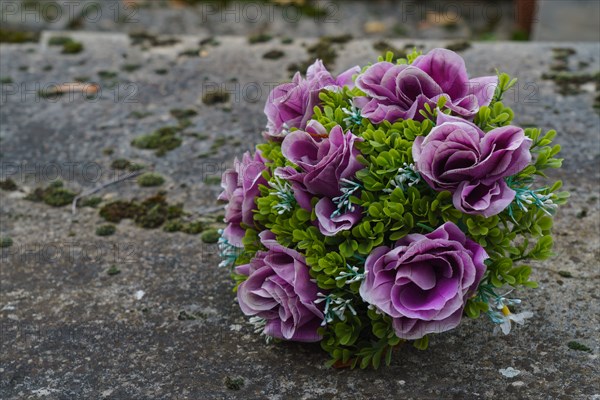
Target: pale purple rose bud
{"x":291,"y":105}
{"x":323,"y":163}
{"x":424,"y":281}
{"x":459,"y":157}
{"x":482,"y":199}
{"x":240,"y":189}
{"x":330,"y":224}
{"x":279,"y":289}
{"x":315,"y":129}
{"x":401,"y":91}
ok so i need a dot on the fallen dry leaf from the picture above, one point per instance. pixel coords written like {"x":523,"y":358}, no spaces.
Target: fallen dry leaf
{"x":87,"y":89}
{"x":374,"y":27}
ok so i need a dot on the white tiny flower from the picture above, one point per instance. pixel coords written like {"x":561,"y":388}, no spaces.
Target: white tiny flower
{"x":507,"y":320}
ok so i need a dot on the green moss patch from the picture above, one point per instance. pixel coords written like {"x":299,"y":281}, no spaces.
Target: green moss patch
{"x":13,"y":36}
{"x":118,"y":210}
{"x":9,"y":185}
{"x":210,"y":236}
{"x":131,"y":67}
{"x":92,"y":202}
{"x":147,"y":39}
{"x":107,"y":74}
{"x":139,"y":114}
{"x":59,"y":40}
{"x":519,"y":35}
{"x":209,"y":41}
{"x":151,"y":213}
{"x":568,"y":83}
{"x":563,"y":53}
{"x":69,"y":46}
{"x":6,"y":80}
{"x":259,"y":38}
{"x":82,"y":79}
{"x":120,"y":164}
{"x":233,"y":383}
{"x":124,"y":164}
{"x":5,"y":241}
{"x":54,"y":195}
{"x":185,"y":316}
{"x":106,"y":230}
{"x":193,"y":227}
{"x":162,"y":140}
{"x":178,"y":225}
{"x":273,"y":55}
{"x":383,"y":47}
{"x":190,"y":53}
{"x":461,"y":45}
{"x":173,"y":225}
{"x":212,"y":180}
{"x":215,"y":97}
{"x":150,"y":179}
{"x":199,"y":136}
{"x":573,"y":345}
{"x":183,"y":113}
{"x":218,"y":143}
{"x":113,"y":270}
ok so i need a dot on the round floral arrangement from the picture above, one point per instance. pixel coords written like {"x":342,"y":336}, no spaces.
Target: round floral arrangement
{"x":386,"y":204}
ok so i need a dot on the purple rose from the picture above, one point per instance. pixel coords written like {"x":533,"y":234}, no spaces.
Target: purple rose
{"x":279,"y":289}
{"x":323,"y":163}
{"x":424,"y":281}
{"x":240,"y":188}
{"x":401,"y":91}
{"x":291,"y":105}
{"x":459,"y":157}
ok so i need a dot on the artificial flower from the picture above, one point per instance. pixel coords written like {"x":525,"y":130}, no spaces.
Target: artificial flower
{"x":424,"y":281}
{"x":396,"y":91}
{"x":290,"y":105}
{"x":458,"y":156}
{"x":279,"y":290}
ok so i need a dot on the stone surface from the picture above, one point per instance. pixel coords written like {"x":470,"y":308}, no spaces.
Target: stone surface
{"x":384,"y":18}
{"x":167,"y":325}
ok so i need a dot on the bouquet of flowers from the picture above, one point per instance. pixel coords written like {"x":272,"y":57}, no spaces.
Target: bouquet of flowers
{"x":385,"y":205}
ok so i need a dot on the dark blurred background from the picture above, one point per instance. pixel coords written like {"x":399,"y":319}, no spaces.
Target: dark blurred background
{"x":485,"y":20}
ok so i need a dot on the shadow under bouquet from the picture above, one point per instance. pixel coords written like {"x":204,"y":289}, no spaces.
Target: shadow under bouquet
{"x":385,"y":205}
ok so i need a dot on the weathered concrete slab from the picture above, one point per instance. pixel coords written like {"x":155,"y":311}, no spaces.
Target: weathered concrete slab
{"x":567,"y":20}
{"x":70,"y":330}
{"x":460,"y":19}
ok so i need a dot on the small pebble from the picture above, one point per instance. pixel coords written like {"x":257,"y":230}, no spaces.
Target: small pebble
{"x":509,"y":372}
